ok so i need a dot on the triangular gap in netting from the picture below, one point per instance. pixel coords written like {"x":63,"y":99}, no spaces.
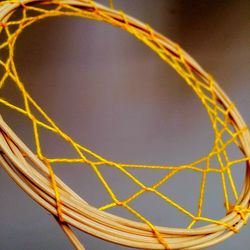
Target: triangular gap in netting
{"x":123,"y":212}
{"x":236,"y":169}
{"x":225,"y":135}
{"x":40,"y":117}
{"x":183,"y":186}
{"x":214,"y":196}
{"x":82,"y":178}
{"x":11,"y":93}
{"x":16,"y":21}
{"x":35,"y":11}
{"x":223,"y":111}
{"x":222,"y":123}
{"x":238,"y":172}
{"x":199,"y":83}
{"x":199,"y":165}
{"x":230,"y":136}
{"x":159,"y":212}
{"x":226,"y":147}
{"x":55,"y":145}
{"x":233,"y":181}
{"x":222,"y":162}
{"x":218,"y":115}
{"x":206,"y":91}
{"x":9,"y":32}
{"x":120,"y":181}
{"x":218,"y":161}
{"x":205,"y":82}
{"x":147,"y":175}
{"x":14,"y":112}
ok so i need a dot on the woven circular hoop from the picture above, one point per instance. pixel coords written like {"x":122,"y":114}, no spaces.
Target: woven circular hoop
{"x":30,"y":173}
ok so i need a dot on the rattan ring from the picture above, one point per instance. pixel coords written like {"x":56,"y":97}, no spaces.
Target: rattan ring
{"x":32,"y":175}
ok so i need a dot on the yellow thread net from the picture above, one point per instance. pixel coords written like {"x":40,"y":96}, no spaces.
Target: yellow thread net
{"x":203,"y":86}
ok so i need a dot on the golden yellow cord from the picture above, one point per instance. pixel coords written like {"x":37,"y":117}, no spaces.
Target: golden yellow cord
{"x":219,"y":116}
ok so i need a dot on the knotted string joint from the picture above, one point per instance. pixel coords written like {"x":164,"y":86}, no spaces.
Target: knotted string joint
{"x":239,"y":210}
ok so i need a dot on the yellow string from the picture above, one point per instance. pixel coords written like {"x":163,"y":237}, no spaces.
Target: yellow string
{"x":241,"y":211}
{"x":219,"y":116}
{"x":111,"y":4}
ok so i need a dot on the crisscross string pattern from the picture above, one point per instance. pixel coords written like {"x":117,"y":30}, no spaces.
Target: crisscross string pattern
{"x":223,"y":115}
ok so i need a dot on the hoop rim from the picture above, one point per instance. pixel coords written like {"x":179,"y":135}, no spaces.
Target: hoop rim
{"x":105,"y":225}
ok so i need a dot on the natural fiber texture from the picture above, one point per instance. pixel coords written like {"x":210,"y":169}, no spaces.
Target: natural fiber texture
{"x":34,"y":173}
